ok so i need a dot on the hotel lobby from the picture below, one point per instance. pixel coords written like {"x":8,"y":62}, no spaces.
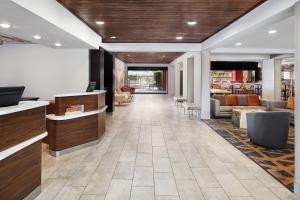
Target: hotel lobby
{"x":149,"y":100}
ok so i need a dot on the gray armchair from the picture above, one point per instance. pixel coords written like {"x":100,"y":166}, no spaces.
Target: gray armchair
{"x":268,"y":129}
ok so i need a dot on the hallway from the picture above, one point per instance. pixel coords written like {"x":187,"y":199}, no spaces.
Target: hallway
{"x":151,"y":150}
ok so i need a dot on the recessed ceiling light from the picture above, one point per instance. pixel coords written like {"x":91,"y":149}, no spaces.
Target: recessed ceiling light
{"x":272,"y":31}
{"x":57,"y":44}
{"x":37,"y":37}
{"x":179,"y":38}
{"x":5,"y":25}
{"x":113,"y":37}
{"x":238,"y":44}
{"x":191,"y":23}
{"x":100,"y":22}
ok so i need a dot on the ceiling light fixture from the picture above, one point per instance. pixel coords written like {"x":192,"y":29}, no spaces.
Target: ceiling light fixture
{"x":5,"y":25}
{"x":179,"y":38}
{"x":37,"y":37}
{"x":57,"y":44}
{"x":113,"y":37}
{"x":272,"y":32}
{"x":191,"y":23}
{"x":238,"y":44}
{"x":100,"y":22}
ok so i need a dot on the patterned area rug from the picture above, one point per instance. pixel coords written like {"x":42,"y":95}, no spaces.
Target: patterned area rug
{"x":279,"y":163}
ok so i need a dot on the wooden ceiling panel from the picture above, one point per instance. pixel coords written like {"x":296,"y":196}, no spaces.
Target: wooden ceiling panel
{"x":138,"y":57}
{"x":159,"y":20}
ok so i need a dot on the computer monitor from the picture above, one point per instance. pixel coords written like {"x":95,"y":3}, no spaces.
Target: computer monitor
{"x":91,"y":87}
{"x":10,"y":96}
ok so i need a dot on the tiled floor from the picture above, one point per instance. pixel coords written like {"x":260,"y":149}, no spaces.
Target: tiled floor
{"x":151,"y":151}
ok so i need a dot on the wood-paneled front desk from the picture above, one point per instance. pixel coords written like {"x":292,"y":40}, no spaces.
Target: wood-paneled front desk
{"x":22,"y":127}
{"x":71,"y":131}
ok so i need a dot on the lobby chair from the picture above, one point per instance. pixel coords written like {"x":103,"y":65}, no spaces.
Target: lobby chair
{"x":268,"y":129}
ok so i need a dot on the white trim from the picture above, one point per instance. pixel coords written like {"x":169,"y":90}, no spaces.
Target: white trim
{"x":75,"y":115}
{"x":81,"y":93}
{"x":252,"y":51}
{"x":23,"y":105}
{"x":6,"y":153}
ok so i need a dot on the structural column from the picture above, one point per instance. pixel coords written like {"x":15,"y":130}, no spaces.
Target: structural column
{"x":297,"y":96}
{"x":197,"y":78}
{"x":205,"y":84}
{"x":177,"y":79}
{"x":185,"y":78}
{"x":190,"y":80}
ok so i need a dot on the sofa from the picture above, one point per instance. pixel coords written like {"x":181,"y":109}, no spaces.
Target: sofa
{"x":264,"y":132}
{"x":222,"y":105}
{"x":285,"y":106}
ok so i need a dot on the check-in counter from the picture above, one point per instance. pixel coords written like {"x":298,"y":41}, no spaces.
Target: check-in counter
{"x":22,"y":127}
{"x":70,"y":131}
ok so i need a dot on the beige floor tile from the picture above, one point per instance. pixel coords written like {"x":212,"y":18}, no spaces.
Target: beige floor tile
{"x":165,"y":184}
{"x":124,"y":170}
{"x":144,"y":160}
{"x":50,"y":188}
{"x":119,"y":189}
{"x":142,"y":193}
{"x":205,"y":177}
{"x":147,"y":141}
{"x":182,"y":171}
{"x":160,"y":152}
{"x":167,"y":198}
{"x":98,"y":184}
{"x":214,"y":194}
{"x":161,"y":164}
{"x":69,"y":193}
{"x":189,"y":190}
{"x":258,"y":190}
{"x":128,"y":156}
{"x":231,"y":185}
{"x":283,"y":193}
{"x":91,"y":197}
{"x":143,"y":176}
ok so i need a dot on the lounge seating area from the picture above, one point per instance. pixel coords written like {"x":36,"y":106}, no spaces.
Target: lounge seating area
{"x":124,"y":95}
{"x":222,"y":105}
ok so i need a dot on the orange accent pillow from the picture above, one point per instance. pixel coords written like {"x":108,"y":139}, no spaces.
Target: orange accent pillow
{"x":291,"y":103}
{"x":231,"y":100}
{"x":253,"y":100}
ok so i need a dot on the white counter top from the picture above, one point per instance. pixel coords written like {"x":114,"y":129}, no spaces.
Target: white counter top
{"x":23,"y":105}
{"x":74,"y":115}
{"x":4,"y":154}
{"x":81,"y":93}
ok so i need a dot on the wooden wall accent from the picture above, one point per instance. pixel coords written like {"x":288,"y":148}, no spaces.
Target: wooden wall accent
{"x":20,"y":126}
{"x":69,"y":133}
{"x":148,"y":57}
{"x":158,"y":21}
{"x":20,"y":173}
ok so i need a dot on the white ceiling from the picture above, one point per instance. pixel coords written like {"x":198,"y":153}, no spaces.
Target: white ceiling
{"x":25,"y":25}
{"x":259,"y":38}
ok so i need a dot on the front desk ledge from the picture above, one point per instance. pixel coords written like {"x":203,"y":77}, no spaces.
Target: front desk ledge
{"x":6,"y":153}
{"x":23,"y":105}
{"x":75,"y":148}
{"x":75,"y":115}
{"x":81,"y":93}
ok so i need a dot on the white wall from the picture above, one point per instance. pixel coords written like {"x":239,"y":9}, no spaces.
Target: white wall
{"x":44,"y":71}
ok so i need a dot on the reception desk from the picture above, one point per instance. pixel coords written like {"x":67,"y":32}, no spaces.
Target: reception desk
{"x":70,"y":131}
{"x":22,"y":127}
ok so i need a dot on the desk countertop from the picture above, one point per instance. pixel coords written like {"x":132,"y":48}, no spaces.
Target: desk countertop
{"x":81,"y":93}
{"x":23,"y":105}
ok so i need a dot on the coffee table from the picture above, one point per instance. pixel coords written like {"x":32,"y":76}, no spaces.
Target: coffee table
{"x":239,"y":116}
